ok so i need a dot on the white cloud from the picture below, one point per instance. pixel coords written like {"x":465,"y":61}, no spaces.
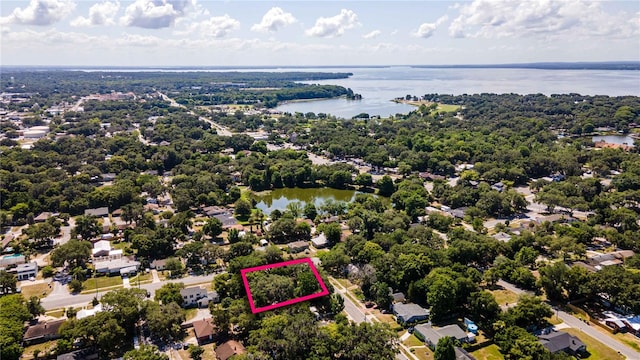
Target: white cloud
{"x":426,"y":30}
{"x":373,"y":34}
{"x":335,"y":25}
{"x":216,"y":27}
{"x":513,"y":18}
{"x":99,"y":14}
{"x":155,"y":14}
{"x":54,"y":37}
{"x":40,"y":12}
{"x":138,"y":40}
{"x":273,"y":20}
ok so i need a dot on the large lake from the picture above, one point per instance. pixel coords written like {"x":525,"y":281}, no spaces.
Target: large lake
{"x":280,"y":198}
{"x":379,"y":85}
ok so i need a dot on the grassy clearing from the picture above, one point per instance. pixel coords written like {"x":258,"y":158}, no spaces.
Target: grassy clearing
{"x":102,"y":282}
{"x":413,"y":341}
{"x":422,"y":353}
{"x":596,"y":349}
{"x":44,"y":348}
{"x":144,"y":279}
{"x":490,"y":352}
{"x":630,"y":340}
{"x":447,"y":108}
{"x":386,"y":318}
{"x":554,"y":320}
{"x":208,"y":354}
{"x":504,"y":296}
{"x":345,"y":283}
{"x":56,"y":313}
{"x":190,"y":313}
{"x":40,"y":290}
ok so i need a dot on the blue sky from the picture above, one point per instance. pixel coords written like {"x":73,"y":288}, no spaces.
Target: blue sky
{"x":228,"y":33}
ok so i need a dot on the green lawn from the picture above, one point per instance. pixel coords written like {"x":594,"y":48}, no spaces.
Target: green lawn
{"x":102,"y":281}
{"x":190,"y":313}
{"x":413,"y":341}
{"x":345,"y":283}
{"x":422,"y":353}
{"x":631,"y":340}
{"x":44,"y":347}
{"x":490,"y":352}
{"x":596,"y":349}
{"x":447,"y":108}
{"x":554,"y":320}
{"x":144,"y":279}
{"x":504,"y":296}
{"x":39,"y":290}
{"x":56,"y":313}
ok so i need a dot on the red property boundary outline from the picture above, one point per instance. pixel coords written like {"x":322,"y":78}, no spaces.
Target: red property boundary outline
{"x":256,"y":310}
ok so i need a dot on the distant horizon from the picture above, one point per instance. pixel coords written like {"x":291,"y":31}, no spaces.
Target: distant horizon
{"x":551,"y":65}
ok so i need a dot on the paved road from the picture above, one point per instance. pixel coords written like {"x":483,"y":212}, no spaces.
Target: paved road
{"x":222,"y":131}
{"x":60,"y":298}
{"x":590,"y":330}
{"x":356,"y":314}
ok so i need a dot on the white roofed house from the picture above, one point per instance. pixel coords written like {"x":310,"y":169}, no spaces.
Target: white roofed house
{"x":191,"y":295}
{"x":101,"y":248}
{"x":26,"y":271}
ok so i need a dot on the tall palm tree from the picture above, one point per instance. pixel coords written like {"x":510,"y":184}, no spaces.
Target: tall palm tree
{"x":295,"y":208}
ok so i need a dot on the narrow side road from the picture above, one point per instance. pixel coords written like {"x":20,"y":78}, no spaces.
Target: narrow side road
{"x":574,"y":322}
{"x":356,"y":314}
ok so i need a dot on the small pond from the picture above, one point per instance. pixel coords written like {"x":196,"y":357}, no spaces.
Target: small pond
{"x":615,"y":139}
{"x":280,"y":198}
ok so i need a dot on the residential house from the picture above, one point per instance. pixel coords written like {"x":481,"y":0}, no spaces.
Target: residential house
{"x":298,"y":246}
{"x":462,"y":354}
{"x":191,"y":295}
{"x":159,"y":264}
{"x":410,"y":313}
{"x":431,"y":335}
{"x":101,"y":248}
{"x":81,"y":314}
{"x":212,"y":296}
{"x":97,"y":212}
{"x":609,"y":259}
{"x":42,"y":331}
{"x":499,"y":186}
{"x":116,"y":264}
{"x":453,"y":331}
{"x":26,"y":271}
{"x":502,"y":236}
{"x":106,"y":225}
{"x":214,"y":210}
{"x":204,"y":330}
{"x":120,"y":224}
{"x":229,"y":349}
{"x":320,"y":241}
{"x":557,"y":341}
{"x":6,"y":240}
{"x":42,"y":217}
{"x":108,"y":177}
{"x":459,"y":212}
{"x":429,"y":176}
{"x":84,"y":354}
{"x":398,"y":297}
{"x":616,"y":324}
